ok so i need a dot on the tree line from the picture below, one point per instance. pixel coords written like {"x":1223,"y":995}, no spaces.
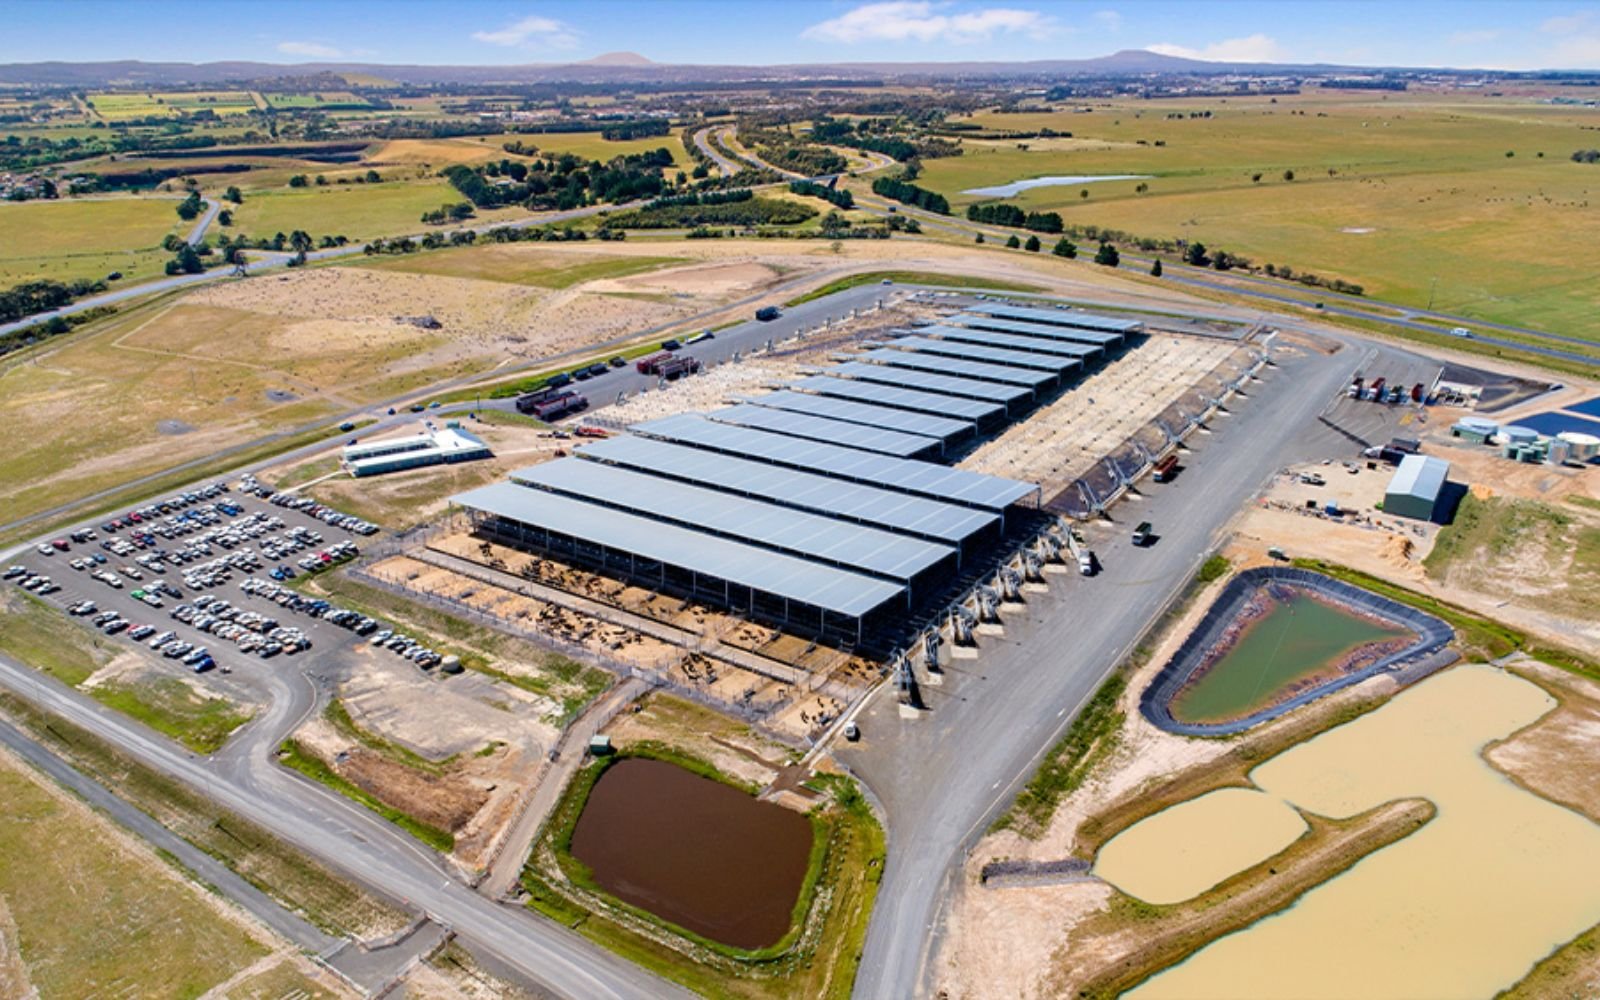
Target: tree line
{"x":837,"y":197}
{"x":1003,"y":214}
{"x":561,"y":182}
{"x":909,"y":194}
{"x":32,"y":297}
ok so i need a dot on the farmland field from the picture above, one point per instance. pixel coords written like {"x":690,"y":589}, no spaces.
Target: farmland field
{"x":90,"y":914}
{"x":125,"y":105}
{"x":359,"y":211}
{"x":590,"y":146}
{"x":339,"y":98}
{"x":65,"y":240}
{"x":1414,"y":199}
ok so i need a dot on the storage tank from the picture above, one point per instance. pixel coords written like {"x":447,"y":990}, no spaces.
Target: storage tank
{"x":1585,"y":447}
{"x":1560,"y":451}
{"x":1519,"y":435}
{"x":1477,"y":429}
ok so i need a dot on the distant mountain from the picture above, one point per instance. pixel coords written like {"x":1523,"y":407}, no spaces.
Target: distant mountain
{"x":629,"y":67}
{"x":617,"y":59}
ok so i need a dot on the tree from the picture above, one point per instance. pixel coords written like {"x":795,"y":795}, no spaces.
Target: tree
{"x":1288,"y":175}
{"x":1032,"y":246}
{"x":1256,"y":178}
{"x":224,"y":218}
{"x":1107,"y":255}
{"x":979,"y":238}
{"x":234,"y":195}
{"x":1013,"y":243}
{"x":1084,"y":194}
{"x":701,"y":172}
{"x":373,"y":177}
{"x":188,"y":261}
{"x":190,"y":207}
{"x":1155,"y":269}
{"x":298,"y":181}
{"x":300,"y":241}
{"x":1195,"y":255}
{"x":1065,"y":248}
{"x":834,"y":222}
{"x":322,"y":181}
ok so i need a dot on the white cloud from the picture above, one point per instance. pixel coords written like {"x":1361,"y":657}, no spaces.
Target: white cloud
{"x":1480,"y":37}
{"x":1253,"y":48}
{"x":1566,"y":24}
{"x":313,"y":50}
{"x":1108,"y":19}
{"x":531,"y":32}
{"x":922,"y":21}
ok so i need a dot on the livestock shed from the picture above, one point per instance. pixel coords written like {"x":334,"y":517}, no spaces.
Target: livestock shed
{"x":1039,"y":361}
{"x":853,"y":435}
{"x":1075,"y":318}
{"x":938,"y":482}
{"x":945,"y":429}
{"x":979,"y":412}
{"x":1085,"y":353}
{"x":749,"y":579}
{"x":1418,"y":488}
{"x":746,"y":520}
{"x":1013,"y":397}
{"x":903,"y":513}
{"x":979,"y":371}
{"x":434,"y":446}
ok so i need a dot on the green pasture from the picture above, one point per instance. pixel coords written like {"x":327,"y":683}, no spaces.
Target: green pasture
{"x":1413,"y":199}
{"x":359,"y":211}
{"x":314,"y":100}
{"x":69,"y":239}
{"x":590,"y":146}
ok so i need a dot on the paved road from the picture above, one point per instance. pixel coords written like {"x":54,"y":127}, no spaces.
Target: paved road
{"x":944,"y":776}
{"x":198,"y":233}
{"x":352,"y":840}
{"x":703,"y":141}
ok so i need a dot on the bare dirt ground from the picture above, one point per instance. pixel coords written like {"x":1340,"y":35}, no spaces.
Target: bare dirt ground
{"x":1556,"y":757}
{"x":731,"y":746}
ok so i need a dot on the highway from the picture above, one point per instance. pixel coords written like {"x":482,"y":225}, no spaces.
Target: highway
{"x":703,"y":143}
{"x":944,"y":776}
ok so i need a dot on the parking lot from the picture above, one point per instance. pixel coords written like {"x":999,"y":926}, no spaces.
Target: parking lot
{"x":201,"y":578}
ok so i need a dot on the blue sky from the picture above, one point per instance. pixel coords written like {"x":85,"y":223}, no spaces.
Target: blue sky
{"x":1512,"y":34}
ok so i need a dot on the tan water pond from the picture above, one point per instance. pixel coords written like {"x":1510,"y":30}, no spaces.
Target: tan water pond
{"x":1181,"y":852}
{"x":1461,"y":908}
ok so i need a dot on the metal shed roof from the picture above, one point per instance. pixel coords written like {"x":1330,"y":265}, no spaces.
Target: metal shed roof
{"x":810,"y":536}
{"x":801,"y":580}
{"x":949,"y":385}
{"x":1421,"y":476}
{"x":1003,"y":374}
{"x":992,"y":338}
{"x":1061,"y":317}
{"x":1037,"y":360}
{"x":901,"y":512}
{"x":921,"y":478}
{"x":901,"y":399}
{"x":1044,"y":330}
{"x":804,"y":425}
{"x":926,"y":424}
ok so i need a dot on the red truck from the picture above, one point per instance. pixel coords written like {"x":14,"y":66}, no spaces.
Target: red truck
{"x":648,"y":364}
{"x":1166,"y":468}
{"x":552,"y":407}
{"x":588,"y":431}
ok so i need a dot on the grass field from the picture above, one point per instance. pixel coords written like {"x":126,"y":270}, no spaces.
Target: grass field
{"x":66,"y":240}
{"x":522,"y":264}
{"x":313,"y":101}
{"x":1452,"y":218}
{"x":359,"y":211}
{"x":121,"y":106}
{"x":95,"y":916}
{"x":174,"y":709}
{"x":590,"y":146}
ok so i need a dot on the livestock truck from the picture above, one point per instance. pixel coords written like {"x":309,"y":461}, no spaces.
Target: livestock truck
{"x":552,"y":407}
{"x":1166,"y":468}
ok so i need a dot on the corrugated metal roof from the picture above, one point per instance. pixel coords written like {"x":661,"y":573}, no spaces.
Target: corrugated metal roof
{"x":837,"y":590}
{"x":993,"y":338}
{"x":920,"y":478}
{"x":901,"y":512}
{"x":948,"y":385}
{"x":1037,"y":360}
{"x":912,"y":400}
{"x":1099,"y":338}
{"x":1060,"y":317}
{"x":810,"y":536}
{"x":804,"y":425}
{"x":926,"y":424}
{"x":1421,"y":476}
{"x":940,"y":365}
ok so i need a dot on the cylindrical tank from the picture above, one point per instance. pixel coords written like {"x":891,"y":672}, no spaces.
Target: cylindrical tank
{"x":1483,"y":427}
{"x":1585,"y":447}
{"x":1560,"y":451}
{"x":1519,"y":435}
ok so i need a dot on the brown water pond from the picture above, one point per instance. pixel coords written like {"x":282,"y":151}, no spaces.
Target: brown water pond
{"x":696,"y":852}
